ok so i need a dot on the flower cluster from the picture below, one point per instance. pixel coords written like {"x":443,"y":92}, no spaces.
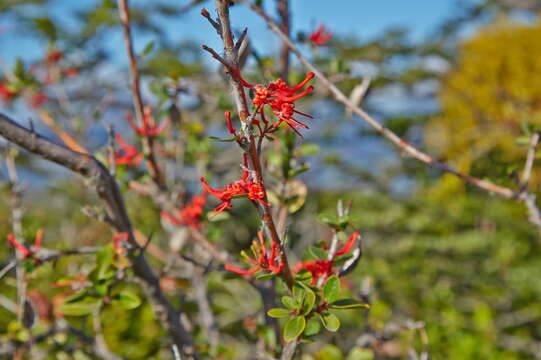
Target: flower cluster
{"x":129,"y":155}
{"x":25,"y":251}
{"x":320,"y":268}
{"x":241,"y":188}
{"x":6,"y":93}
{"x":280,"y":98}
{"x":190,"y":214}
{"x":262,"y":260}
{"x":320,"y":36}
{"x":149,"y":128}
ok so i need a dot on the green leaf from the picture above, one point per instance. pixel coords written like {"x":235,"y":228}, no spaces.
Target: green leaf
{"x":294,"y":327}
{"x":309,"y":302}
{"x":328,"y":219}
{"x":304,"y":277}
{"x":307,"y":149}
{"x":330,"y":321}
{"x":104,"y":259}
{"x":148,"y":48}
{"x":278,"y":312}
{"x":214,"y":138}
{"x":331,"y":289}
{"x":126,"y":300}
{"x":318,"y":253}
{"x":46,"y":26}
{"x":79,"y":308}
{"x":312,"y":327}
{"x":348,"y":304}
{"x":298,"y":293}
{"x":264,"y":277}
{"x":289,"y":302}
{"x":358,"y":353}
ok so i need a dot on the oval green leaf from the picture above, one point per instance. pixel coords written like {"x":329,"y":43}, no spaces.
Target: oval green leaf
{"x":294,"y":327}
{"x":348,"y":304}
{"x":312,"y":327}
{"x":278,"y":312}
{"x":126,"y":300}
{"x":331,"y":322}
{"x":331,"y":289}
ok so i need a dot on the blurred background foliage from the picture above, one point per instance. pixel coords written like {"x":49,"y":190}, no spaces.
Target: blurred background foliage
{"x":440,"y":259}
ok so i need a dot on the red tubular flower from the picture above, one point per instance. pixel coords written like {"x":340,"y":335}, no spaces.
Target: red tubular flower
{"x":54,"y":56}
{"x":318,"y":268}
{"x":262,"y":260}
{"x":149,"y":128}
{"x":324,"y":268}
{"x":17,"y":245}
{"x":6,"y":94}
{"x":71,"y":72}
{"x":281,"y":98}
{"x":129,"y":154}
{"x":241,"y":188}
{"x":352,"y":240}
{"x":117,"y":240}
{"x":37,"y":100}
{"x":80,"y":280}
{"x":227,"y":115}
{"x":320,"y":37}
{"x":189,"y":215}
{"x":26,"y":252}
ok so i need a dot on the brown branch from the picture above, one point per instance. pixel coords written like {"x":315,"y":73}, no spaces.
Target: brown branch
{"x":17,"y":228}
{"x":283,"y":11}
{"x":527,"y":198}
{"x":147,"y":141}
{"x":231,"y":58}
{"x":107,"y":189}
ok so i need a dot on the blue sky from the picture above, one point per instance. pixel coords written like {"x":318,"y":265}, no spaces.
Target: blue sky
{"x":361,"y":18}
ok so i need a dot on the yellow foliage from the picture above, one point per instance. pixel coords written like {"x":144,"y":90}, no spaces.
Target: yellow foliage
{"x":495,"y":85}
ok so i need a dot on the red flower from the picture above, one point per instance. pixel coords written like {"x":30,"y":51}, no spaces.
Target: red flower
{"x":54,"y":56}
{"x":37,"y":100}
{"x":281,"y":98}
{"x":149,"y":128}
{"x":318,"y":268}
{"x":26,"y":252}
{"x":320,"y":36}
{"x":117,"y":240}
{"x":129,"y":155}
{"x":71,"y":72}
{"x":262,"y":259}
{"x":324,"y":268}
{"x":189,"y":215}
{"x":6,"y":94}
{"x":227,"y":115}
{"x":240,"y":188}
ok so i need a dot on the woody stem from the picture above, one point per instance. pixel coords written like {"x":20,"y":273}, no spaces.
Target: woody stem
{"x":231,"y":56}
{"x":147,"y":141}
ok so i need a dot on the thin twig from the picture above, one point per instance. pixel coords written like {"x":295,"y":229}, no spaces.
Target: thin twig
{"x":148,"y":148}
{"x":527,"y":172}
{"x":283,"y":11}
{"x":231,"y":59}
{"x":17,"y":229}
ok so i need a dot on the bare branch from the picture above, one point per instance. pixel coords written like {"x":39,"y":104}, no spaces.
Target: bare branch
{"x":148,"y":148}
{"x":527,"y":172}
